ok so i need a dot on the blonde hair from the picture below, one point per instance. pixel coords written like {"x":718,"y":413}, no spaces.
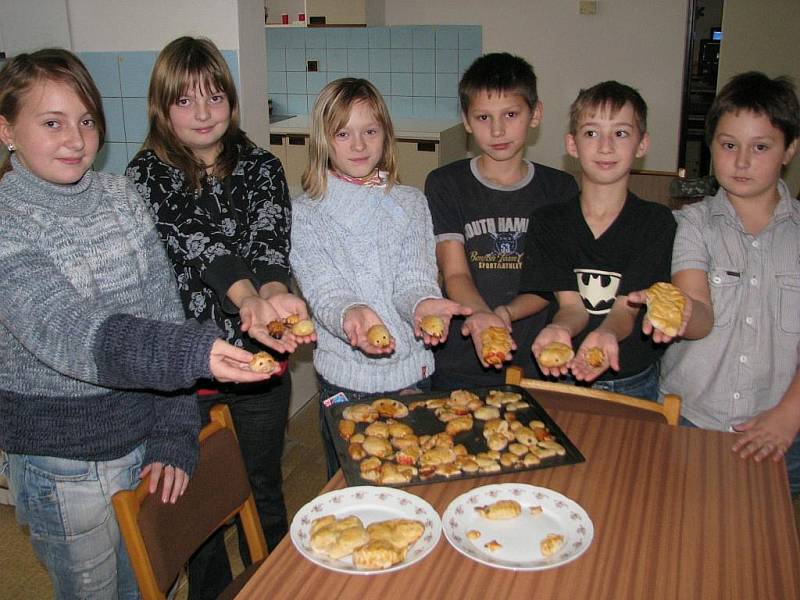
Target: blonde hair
{"x":50,"y":64}
{"x":182,"y":64}
{"x":331,"y":113}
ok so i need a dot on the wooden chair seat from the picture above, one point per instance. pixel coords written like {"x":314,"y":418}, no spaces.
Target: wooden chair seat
{"x":561,"y":396}
{"x":160,"y":537}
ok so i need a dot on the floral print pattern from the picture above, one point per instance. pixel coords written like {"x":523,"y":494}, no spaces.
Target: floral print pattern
{"x":243,"y":220}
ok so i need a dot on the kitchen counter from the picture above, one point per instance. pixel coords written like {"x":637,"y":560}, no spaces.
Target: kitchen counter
{"x":404,"y":128}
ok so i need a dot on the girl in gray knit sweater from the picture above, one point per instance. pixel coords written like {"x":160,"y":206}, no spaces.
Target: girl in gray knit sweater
{"x":363,"y":253}
{"x":90,"y":321}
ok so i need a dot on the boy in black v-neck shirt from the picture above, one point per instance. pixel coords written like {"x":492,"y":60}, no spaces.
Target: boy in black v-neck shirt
{"x":602,"y":245}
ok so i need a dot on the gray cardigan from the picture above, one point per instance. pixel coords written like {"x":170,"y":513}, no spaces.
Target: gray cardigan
{"x":362,"y":245}
{"x":85,"y":286}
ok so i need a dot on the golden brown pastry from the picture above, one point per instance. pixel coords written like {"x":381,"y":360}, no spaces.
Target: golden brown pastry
{"x":518,"y":405}
{"x":356,"y":451}
{"x":408,"y":455}
{"x":500,"y":510}
{"x":378,"y":429}
{"x":291,"y":320}
{"x":458,"y":425}
{"x":339,"y":537}
{"x":594,"y":357}
{"x":378,"y":554}
{"x":496,"y":345}
{"x":399,"y":532}
{"x":303,"y":327}
{"x":433,"y":325}
{"x":461,"y":398}
{"x":486,"y":413}
{"x":554,"y":446}
{"x":493,"y":546}
{"x":360,"y":413}
{"x":389,"y":408}
{"x":376,"y":446}
{"x":496,"y":441}
{"x":400,"y":430}
{"x":405,"y":442}
{"x":262,"y":362}
{"x":379,"y":336}
{"x":473,"y":534}
{"x":346,"y":429}
{"x":448,"y":470}
{"x":555,"y":354}
{"x":392,"y":474}
{"x":551,"y":544}
{"x":498,"y":398}
{"x":276,"y":329}
{"x":665,"y":303}
{"x":437,"y":456}
{"x":531,"y":460}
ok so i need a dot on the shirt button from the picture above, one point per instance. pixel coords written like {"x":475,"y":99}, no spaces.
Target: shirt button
{"x":755,"y":243}
{"x":748,"y":320}
{"x":717,"y":279}
{"x":753,"y":281}
{"x":742,"y":359}
{"x":736,"y":395}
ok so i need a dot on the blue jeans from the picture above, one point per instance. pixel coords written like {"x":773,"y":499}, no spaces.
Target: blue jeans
{"x":792,"y":458}
{"x":642,"y":385}
{"x":328,"y":389}
{"x":67,"y":507}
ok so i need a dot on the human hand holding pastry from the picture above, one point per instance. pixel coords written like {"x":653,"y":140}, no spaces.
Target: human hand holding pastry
{"x":432,"y":319}
{"x":256,"y":314}
{"x":365,"y":331}
{"x":475,"y":325}
{"x":287,"y":306}
{"x":547,"y":339}
{"x":229,"y":364}
{"x":668,"y":311}
{"x":598,"y":352}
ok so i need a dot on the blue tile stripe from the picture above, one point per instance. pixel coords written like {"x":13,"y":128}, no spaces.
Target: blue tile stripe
{"x":416,"y":67}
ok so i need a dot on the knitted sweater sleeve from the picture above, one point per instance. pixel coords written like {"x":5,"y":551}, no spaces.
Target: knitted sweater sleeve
{"x":415,"y":280}
{"x":84,"y":337}
{"x":319,"y":279}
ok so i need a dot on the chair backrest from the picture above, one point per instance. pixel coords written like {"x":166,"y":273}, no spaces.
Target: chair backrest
{"x":161,"y":537}
{"x":585,"y":399}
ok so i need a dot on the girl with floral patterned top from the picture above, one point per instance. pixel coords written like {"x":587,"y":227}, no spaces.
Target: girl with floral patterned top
{"x":221,"y":206}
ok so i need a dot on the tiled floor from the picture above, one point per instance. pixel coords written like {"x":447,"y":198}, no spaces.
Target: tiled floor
{"x":23,"y":577}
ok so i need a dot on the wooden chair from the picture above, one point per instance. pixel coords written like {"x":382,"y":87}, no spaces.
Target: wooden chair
{"x":160,"y":537}
{"x":561,"y":396}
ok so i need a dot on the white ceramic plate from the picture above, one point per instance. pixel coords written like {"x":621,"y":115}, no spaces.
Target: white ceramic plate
{"x":519,"y":538}
{"x":370,"y":504}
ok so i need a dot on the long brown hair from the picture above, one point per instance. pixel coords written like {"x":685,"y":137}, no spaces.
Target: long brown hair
{"x":182,"y":64}
{"x":23,"y":71}
{"x":331,"y":113}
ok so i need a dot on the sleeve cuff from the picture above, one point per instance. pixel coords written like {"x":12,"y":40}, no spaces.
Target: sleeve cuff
{"x":223,"y":273}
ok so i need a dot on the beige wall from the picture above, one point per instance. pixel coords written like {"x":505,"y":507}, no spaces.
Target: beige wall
{"x":762,"y":36}
{"x":639,"y":42}
{"x":24,"y":27}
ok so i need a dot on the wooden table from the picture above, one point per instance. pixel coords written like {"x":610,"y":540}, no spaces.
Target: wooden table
{"x":676,"y":515}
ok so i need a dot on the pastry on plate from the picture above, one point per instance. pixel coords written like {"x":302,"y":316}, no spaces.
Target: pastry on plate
{"x":399,"y":532}
{"x":500,"y":510}
{"x":665,"y":303}
{"x":378,"y":554}
{"x":551,"y":544}
{"x":555,"y":354}
{"x":337,"y":537}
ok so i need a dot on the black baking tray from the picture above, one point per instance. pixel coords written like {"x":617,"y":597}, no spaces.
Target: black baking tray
{"x":424,"y":421}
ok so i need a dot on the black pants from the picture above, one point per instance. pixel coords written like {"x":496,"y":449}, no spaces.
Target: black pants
{"x":259,"y":413}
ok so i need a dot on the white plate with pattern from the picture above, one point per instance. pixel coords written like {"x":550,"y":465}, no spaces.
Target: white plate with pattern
{"x":370,"y":504}
{"x":517,"y":540}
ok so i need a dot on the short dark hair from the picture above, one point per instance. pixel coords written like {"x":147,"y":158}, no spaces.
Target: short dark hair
{"x":498,"y":72}
{"x":612,"y":95}
{"x":754,"y":91}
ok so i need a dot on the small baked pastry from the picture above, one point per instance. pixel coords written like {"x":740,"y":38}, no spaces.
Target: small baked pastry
{"x":437,"y":456}
{"x":531,"y":460}
{"x":496,"y":345}
{"x":461,"y":398}
{"x":496,"y":441}
{"x":400,"y":430}
{"x":276,"y":329}
{"x":392,"y":474}
{"x":378,"y":429}
{"x":291,"y":320}
{"x":458,"y":425}
{"x":473,"y":534}
{"x":467,"y":464}
{"x":404,"y":442}
{"x":487,"y":413}
{"x":551,"y":543}
{"x":262,"y":362}
{"x":507,"y":459}
{"x":379,"y":336}
{"x":445,"y":414}
{"x":448,"y":470}
{"x":518,"y":449}
{"x":555,"y":354}
{"x":356,"y":451}
{"x":370,"y":468}
{"x":399,"y":532}
{"x":408,"y":455}
{"x":339,"y":537}
{"x":498,"y":398}
{"x":376,"y":446}
{"x":378,"y":554}
{"x":433,"y":325}
{"x":500,"y":510}
{"x":594,"y":357}
{"x":493,"y":546}
{"x":525,"y":435}
{"x":357,"y":438}
{"x":346,"y":429}
{"x":665,"y":303}
{"x":389,"y":408}
{"x":303,"y":327}
{"x":554,"y":446}
{"x":518,"y":405}
{"x":360,"y":413}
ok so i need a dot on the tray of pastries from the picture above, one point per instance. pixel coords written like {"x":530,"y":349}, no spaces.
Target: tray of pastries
{"x":425,"y":438}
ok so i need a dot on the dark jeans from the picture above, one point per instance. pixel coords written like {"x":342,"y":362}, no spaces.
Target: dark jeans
{"x":328,"y":389}
{"x":259,"y":413}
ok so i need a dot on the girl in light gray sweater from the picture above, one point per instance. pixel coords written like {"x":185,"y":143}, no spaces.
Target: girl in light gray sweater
{"x":363,"y":253}
{"x":90,"y":322}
